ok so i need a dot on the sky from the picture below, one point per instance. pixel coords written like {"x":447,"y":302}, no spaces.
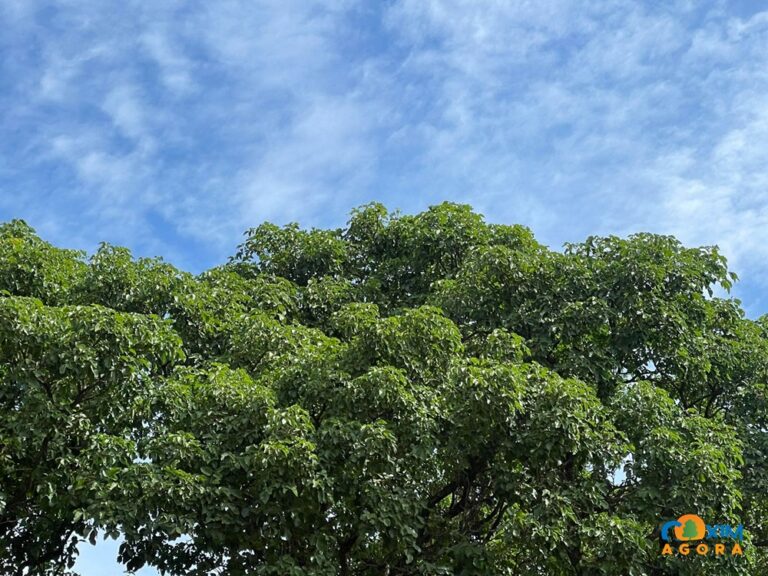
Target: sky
{"x":172,"y":127}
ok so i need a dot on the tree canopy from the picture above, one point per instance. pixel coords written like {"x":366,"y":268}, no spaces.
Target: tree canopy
{"x":422,"y":394}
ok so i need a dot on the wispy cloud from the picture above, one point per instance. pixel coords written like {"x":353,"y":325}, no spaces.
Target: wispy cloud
{"x":609,"y":118}
{"x":209,"y":118}
{"x":172,"y":127}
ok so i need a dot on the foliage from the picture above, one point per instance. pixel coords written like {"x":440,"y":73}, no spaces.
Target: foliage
{"x":425,"y":394}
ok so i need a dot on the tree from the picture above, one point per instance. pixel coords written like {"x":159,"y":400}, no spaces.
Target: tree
{"x":426,"y":394}
{"x":690,"y":530}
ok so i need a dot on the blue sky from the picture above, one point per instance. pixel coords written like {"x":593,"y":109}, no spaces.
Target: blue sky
{"x":171,"y":127}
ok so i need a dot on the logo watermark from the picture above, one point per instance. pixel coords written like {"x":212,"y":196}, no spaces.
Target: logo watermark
{"x":690,"y":534}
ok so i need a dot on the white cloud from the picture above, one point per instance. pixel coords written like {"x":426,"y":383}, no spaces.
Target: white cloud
{"x":127,"y":111}
{"x":176,"y":70}
{"x":617,"y":117}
